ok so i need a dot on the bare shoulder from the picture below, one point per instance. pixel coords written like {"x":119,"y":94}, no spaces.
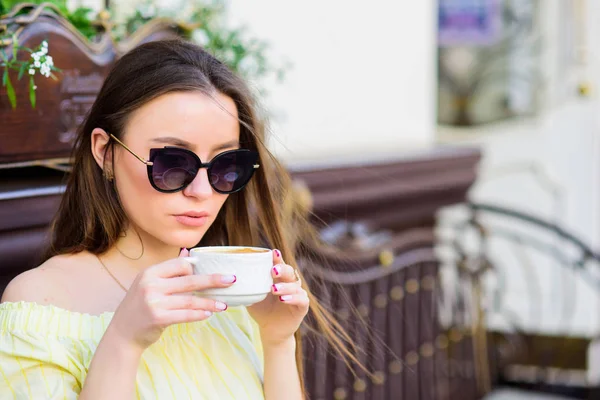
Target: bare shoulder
{"x":50,"y":283}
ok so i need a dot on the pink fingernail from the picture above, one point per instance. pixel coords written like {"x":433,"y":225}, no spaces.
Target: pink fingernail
{"x":286,"y":297}
{"x":228,"y":278}
{"x":276,"y":270}
{"x":276,"y":287}
{"x":277,"y":253}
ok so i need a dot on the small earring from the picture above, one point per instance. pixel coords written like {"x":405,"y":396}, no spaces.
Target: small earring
{"x":109,"y":175}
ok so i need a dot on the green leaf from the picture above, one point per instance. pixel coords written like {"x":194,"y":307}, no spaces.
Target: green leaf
{"x":4,"y":76}
{"x":10,"y":91}
{"x":22,"y":70}
{"x":15,"y":45}
{"x":32,"y":92}
{"x":81,"y":19}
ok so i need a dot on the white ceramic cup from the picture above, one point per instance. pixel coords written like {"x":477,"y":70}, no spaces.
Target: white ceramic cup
{"x":251,"y":265}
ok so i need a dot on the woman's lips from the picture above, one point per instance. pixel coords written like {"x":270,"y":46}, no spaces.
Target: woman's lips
{"x":193,"y":221}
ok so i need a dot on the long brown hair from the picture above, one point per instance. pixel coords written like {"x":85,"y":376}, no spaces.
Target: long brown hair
{"x":90,"y":217}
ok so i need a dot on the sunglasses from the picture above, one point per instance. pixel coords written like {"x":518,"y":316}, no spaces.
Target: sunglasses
{"x":171,"y":169}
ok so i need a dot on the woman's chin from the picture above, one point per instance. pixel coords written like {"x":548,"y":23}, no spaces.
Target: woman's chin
{"x":183,"y":239}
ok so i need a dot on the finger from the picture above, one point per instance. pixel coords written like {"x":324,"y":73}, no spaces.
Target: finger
{"x":171,"y":268}
{"x":281,"y":289}
{"x":192,"y":283}
{"x":182,"y":302}
{"x":180,"y":316}
{"x":277,"y":257}
{"x":184,"y":252}
{"x":284,"y":273}
{"x":297,"y":299}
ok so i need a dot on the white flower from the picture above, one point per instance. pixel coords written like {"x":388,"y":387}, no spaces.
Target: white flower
{"x":34,"y":87}
{"x":200,"y":37}
{"x":42,"y":61}
{"x":45,"y":70}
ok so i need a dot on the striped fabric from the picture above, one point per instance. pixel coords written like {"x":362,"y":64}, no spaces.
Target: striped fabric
{"x":45,"y":353}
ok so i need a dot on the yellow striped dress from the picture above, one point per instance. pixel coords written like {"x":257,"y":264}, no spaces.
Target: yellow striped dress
{"x":45,"y":353}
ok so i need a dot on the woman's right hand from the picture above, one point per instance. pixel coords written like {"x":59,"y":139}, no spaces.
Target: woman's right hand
{"x":162,"y":295}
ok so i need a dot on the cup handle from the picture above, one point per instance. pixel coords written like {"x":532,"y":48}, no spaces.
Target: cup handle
{"x":191,"y":260}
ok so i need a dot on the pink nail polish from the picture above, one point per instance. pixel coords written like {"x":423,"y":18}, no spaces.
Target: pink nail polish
{"x":276,"y":288}
{"x":276,"y":270}
{"x":286,"y":297}
{"x":277,"y":253}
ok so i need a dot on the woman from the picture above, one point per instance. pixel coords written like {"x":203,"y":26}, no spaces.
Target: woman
{"x":108,"y":315}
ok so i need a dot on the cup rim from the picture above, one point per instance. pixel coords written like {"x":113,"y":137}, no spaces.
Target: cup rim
{"x":219,"y":250}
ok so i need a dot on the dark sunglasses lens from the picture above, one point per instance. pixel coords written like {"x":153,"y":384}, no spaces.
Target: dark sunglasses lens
{"x":231,"y":171}
{"x":173,"y":169}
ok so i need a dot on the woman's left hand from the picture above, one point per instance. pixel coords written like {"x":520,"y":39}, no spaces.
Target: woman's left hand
{"x":279,"y":316}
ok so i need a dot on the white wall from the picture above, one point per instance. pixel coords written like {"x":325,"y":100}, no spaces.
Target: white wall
{"x":363,"y":73}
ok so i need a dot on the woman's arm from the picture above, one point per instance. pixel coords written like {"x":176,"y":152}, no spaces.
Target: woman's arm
{"x":154,"y":301}
{"x":112,"y":373}
{"x":281,"y":371}
{"x":278,"y":318}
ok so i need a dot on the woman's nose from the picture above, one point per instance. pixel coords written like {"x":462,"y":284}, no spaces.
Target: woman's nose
{"x":200,"y":186}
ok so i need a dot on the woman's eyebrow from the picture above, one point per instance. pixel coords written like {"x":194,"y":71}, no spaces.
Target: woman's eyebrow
{"x":173,"y":140}
{"x":184,"y":143}
{"x":227,"y":145}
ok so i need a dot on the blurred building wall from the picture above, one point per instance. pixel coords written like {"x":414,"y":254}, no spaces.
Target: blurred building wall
{"x":549,"y":165}
{"x":363,"y":75}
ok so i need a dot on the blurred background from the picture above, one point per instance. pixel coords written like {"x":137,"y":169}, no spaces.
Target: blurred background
{"x":447,"y":152}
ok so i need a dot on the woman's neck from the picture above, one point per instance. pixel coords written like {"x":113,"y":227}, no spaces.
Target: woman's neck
{"x":140,"y":251}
